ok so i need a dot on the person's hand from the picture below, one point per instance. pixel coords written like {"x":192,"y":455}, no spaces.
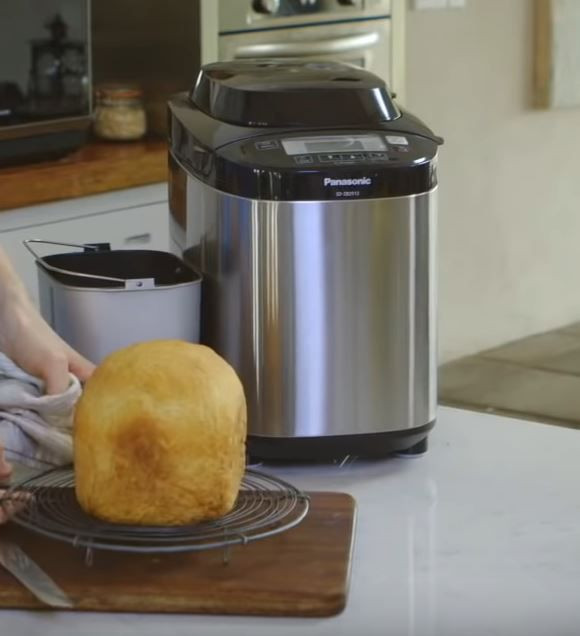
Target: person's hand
{"x":5,"y":472}
{"x":5,"y":468}
{"x":30,"y":342}
{"x":33,"y":346}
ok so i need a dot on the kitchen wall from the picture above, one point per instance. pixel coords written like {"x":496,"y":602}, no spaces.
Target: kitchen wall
{"x":509,"y":233}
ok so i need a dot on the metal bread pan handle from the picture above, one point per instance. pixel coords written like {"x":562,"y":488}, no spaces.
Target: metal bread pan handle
{"x":97,"y":247}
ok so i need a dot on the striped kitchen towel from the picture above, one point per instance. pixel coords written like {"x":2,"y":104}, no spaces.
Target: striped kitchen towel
{"x":35,"y":429}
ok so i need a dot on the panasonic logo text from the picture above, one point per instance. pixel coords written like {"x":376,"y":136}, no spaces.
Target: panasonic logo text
{"x":362,"y":181}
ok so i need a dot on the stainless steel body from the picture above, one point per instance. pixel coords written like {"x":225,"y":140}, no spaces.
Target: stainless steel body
{"x":96,"y":322}
{"x":97,"y":319}
{"x":326,"y":309}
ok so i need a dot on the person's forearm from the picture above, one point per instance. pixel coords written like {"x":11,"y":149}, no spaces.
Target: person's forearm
{"x":29,"y":341}
{"x":11,"y":288}
{"x":31,"y":344}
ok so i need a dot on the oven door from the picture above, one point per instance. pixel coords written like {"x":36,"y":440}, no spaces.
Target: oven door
{"x":365,"y":43}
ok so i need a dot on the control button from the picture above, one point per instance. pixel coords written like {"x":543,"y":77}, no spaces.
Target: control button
{"x":377,"y":156}
{"x":270,"y":7}
{"x":401,"y":148}
{"x":268,"y":144}
{"x":325,"y":158}
{"x":303,"y":159}
{"x":396,"y":140}
{"x":352,"y":156}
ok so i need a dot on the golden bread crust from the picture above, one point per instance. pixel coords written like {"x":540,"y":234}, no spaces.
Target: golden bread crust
{"x":159,"y":436}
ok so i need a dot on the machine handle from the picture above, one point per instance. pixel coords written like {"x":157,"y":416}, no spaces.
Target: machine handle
{"x":304,"y":49}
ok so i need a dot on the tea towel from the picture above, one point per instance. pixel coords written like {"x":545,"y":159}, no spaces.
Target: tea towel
{"x":35,"y":429}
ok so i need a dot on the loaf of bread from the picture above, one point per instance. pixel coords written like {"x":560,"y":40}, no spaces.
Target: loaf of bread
{"x":159,"y":436}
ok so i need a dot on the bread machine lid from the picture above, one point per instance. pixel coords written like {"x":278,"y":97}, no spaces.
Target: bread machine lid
{"x":292,"y":93}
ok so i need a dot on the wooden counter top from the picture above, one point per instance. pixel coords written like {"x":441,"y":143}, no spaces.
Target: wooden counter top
{"x":94,"y":168}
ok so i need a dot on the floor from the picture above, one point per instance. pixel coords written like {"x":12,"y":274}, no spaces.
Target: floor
{"x":534,"y":378}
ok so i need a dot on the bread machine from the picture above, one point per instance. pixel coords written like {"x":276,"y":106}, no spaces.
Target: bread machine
{"x":307,"y":200}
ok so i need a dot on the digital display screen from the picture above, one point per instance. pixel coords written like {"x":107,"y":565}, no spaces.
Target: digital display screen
{"x":335,"y":143}
{"x":332,"y":146}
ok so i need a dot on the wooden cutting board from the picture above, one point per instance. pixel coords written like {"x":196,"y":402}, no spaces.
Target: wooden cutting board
{"x":302,"y":572}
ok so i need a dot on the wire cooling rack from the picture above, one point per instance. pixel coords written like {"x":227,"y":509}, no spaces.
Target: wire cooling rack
{"x":46,"y":504}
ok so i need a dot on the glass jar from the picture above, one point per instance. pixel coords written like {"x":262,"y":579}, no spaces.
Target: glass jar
{"x":119,"y":112}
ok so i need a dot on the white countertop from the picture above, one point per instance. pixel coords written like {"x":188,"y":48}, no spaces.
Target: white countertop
{"x":481,"y":536}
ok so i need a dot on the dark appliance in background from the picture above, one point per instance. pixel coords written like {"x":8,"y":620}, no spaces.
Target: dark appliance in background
{"x":45,"y":78}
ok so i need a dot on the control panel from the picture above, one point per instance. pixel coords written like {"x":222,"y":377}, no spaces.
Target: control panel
{"x":278,"y":8}
{"x":298,"y":7}
{"x":327,"y":150}
{"x":281,"y":165}
{"x":286,"y":7}
{"x":238,"y":16}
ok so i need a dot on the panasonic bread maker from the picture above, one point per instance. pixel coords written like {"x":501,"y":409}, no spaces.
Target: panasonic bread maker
{"x":306,"y":198}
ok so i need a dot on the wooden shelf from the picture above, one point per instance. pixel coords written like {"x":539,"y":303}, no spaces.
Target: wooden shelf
{"x":95,"y":168}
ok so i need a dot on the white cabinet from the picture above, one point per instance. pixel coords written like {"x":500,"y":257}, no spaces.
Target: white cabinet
{"x":130,"y":219}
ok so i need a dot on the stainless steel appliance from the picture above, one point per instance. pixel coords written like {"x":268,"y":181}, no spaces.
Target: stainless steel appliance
{"x":353,"y":31}
{"x":307,"y":200}
{"x":45,"y":78}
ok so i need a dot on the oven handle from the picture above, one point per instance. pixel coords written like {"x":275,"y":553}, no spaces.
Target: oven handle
{"x":303,"y":49}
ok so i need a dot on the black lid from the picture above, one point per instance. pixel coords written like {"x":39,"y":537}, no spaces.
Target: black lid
{"x":292,"y":93}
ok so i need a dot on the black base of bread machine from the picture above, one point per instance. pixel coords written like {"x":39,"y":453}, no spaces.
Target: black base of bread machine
{"x":410,"y":442}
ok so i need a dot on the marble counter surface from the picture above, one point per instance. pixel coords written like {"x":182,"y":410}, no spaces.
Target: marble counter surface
{"x":479,"y":537}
